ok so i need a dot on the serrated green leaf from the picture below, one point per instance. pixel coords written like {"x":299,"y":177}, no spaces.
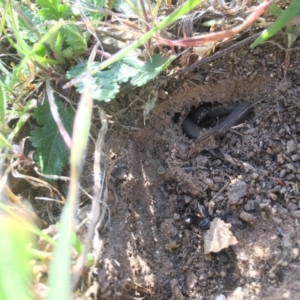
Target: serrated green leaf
{"x":104,"y":84}
{"x":126,"y":68}
{"x":74,"y":38}
{"x":152,"y":68}
{"x":52,"y":152}
{"x":95,"y":14}
{"x":287,"y":15}
{"x":68,"y":53}
{"x":35,"y":19}
{"x":53,"y":10}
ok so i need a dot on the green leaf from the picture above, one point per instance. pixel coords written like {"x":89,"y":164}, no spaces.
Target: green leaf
{"x":68,"y":42}
{"x":126,"y":68}
{"x":52,"y":152}
{"x":292,"y":11}
{"x":106,"y":84}
{"x":35,"y":19}
{"x":94,"y":13}
{"x":152,"y":68}
{"x":74,"y":38}
{"x":53,"y":10}
{"x":103,"y":85}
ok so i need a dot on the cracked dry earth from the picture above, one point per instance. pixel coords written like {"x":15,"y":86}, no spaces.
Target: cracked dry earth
{"x":154,"y":246}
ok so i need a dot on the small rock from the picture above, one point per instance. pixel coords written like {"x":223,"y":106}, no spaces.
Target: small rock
{"x":176,"y":217}
{"x":291,"y":167}
{"x":292,"y":206}
{"x":218,"y":237}
{"x":161,"y":170}
{"x":162,"y":94}
{"x":191,"y":279}
{"x":223,"y":274}
{"x":291,"y":146}
{"x":171,"y":246}
{"x":280,"y":158}
{"x":120,"y":174}
{"x":273,"y":196}
{"x":209,"y":182}
{"x":249,"y":206}
{"x":220,"y":297}
{"x":283,"y":190}
{"x":296,"y":214}
{"x":237,"y":190}
{"x":187,"y":199}
{"x":294,"y":253}
{"x":282,"y":173}
{"x":248,"y":217}
{"x":176,"y":291}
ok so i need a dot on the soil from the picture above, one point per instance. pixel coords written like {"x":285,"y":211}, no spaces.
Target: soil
{"x":162,"y":203}
{"x":154,"y":243}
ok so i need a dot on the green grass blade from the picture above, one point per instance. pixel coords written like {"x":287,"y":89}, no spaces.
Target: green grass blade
{"x":3,"y":102}
{"x":275,"y":10}
{"x":4,"y":142}
{"x":60,"y":272}
{"x":282,"y":20}
{"x":20,"y":41}
{"x":14,"y":261}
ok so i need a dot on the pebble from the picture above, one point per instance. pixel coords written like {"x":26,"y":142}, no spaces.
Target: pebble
{"x":191,"y":279}
{"x":282,"y":173}
{"x":295,"y":157}
{"x":121,"y":174}
{"x":291,"y":146}
{"x":291,"y":167}
{"x":248,"y":217}
{"x":249,"y":206}
{"x":223,"y":274}
{"x":161,"y":170}
{"x":162,"y":94}
{"x":280,"y":158}
{"x":294,"y":253}
{"x":220,"y":297}
{"x":209,"y":182}
{"x":273,"y":196}
{"x":283,"y":190}
{"x":176,"y":217}
{"x":296,"y":214}
{"x":292,"y":206}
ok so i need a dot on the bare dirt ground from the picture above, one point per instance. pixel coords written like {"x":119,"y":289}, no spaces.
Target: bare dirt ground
{"x":161,"y":202}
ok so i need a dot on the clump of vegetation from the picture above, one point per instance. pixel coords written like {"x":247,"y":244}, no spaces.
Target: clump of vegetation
{"x":47,"y":48}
